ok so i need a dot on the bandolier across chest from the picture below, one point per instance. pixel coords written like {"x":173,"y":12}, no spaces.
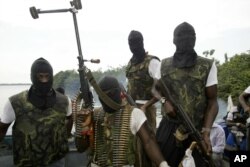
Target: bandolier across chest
{"x":113,"y":144}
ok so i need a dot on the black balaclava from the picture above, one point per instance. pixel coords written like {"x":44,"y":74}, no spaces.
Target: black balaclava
{"x":184,"y":40}
{"x":41,"y":94}
{"x":135,"y":41}
{"x":111,"y":87}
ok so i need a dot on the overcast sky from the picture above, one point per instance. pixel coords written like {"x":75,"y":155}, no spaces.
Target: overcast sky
{"x":104,"y":26}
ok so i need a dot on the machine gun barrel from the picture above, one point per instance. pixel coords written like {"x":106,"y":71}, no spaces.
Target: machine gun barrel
{"x":84,"y":97}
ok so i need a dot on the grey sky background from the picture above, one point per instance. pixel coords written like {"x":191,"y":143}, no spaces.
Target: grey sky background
{"x":104,"y":26}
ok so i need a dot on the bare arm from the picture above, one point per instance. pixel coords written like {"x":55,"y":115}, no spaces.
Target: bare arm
{"x":242,"y":101}
{"x":149,"y":103}
{"x":232,"y":123}
{"x":210,"y":114}
{"x":3,"y":129}
{"x":150,"y":145}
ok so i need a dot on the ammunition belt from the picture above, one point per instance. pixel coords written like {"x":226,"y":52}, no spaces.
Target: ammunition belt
{"x":78,"y":119}
{"x":119,"y":139}
{"x":100,"y":155}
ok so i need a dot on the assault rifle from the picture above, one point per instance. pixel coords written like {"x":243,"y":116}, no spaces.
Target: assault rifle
{"x":86,"y":94}
{"x":83,"y":138}
{"x":195,"y":134}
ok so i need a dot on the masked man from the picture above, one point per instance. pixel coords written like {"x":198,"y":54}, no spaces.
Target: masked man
{"x":140,"y":72}
{"x":192,"y":84}
{"x":39,"y":132}
{"x":115,"y":126}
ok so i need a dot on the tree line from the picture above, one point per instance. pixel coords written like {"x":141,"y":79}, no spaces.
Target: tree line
{"x":233,"y":77}
{"x":70,"y":80}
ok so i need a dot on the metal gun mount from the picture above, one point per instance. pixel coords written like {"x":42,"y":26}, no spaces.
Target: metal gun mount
{"x":75,"y":4}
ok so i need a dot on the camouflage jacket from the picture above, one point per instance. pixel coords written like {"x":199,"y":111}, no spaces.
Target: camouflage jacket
{"x":39,"y":136}
{"x":139,"y":81}
{"x":188,"y":86}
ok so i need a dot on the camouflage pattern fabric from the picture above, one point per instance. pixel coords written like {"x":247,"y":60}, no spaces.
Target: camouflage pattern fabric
{"x":139,"y":81}
{"x":187,"y":87}
{"x":39,"y":136}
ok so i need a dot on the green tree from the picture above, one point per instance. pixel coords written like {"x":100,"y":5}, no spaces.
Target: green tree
{"x":69,"y":80}
{"x":234,"y":76}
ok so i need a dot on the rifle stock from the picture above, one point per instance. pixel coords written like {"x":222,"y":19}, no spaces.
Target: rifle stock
{"x":195,"y":134}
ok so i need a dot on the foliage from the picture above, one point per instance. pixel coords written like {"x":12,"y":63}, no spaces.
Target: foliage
{"x":234,"y":76}
{"x":69,"y":80}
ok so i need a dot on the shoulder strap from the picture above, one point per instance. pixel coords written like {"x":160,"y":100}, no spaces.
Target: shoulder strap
{"x":101,"y":94}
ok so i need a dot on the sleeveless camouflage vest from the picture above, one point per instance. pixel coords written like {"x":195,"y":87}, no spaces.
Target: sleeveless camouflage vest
{"x":39,"y":136}
{"x":114,"y":143}
{"x":187,"y":87}
{"x":139,"y":81}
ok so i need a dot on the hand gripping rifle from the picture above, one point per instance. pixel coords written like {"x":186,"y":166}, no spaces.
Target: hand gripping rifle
{"x":194,"y":133}
{"x":84,"y":98}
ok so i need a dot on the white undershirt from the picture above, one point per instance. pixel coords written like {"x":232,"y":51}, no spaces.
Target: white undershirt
{"x":153,"y":67}
{"x":8,"y":115}
{"x":136,"y":120}
{"x":247,"y":90}
{"x":212,"y":76}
